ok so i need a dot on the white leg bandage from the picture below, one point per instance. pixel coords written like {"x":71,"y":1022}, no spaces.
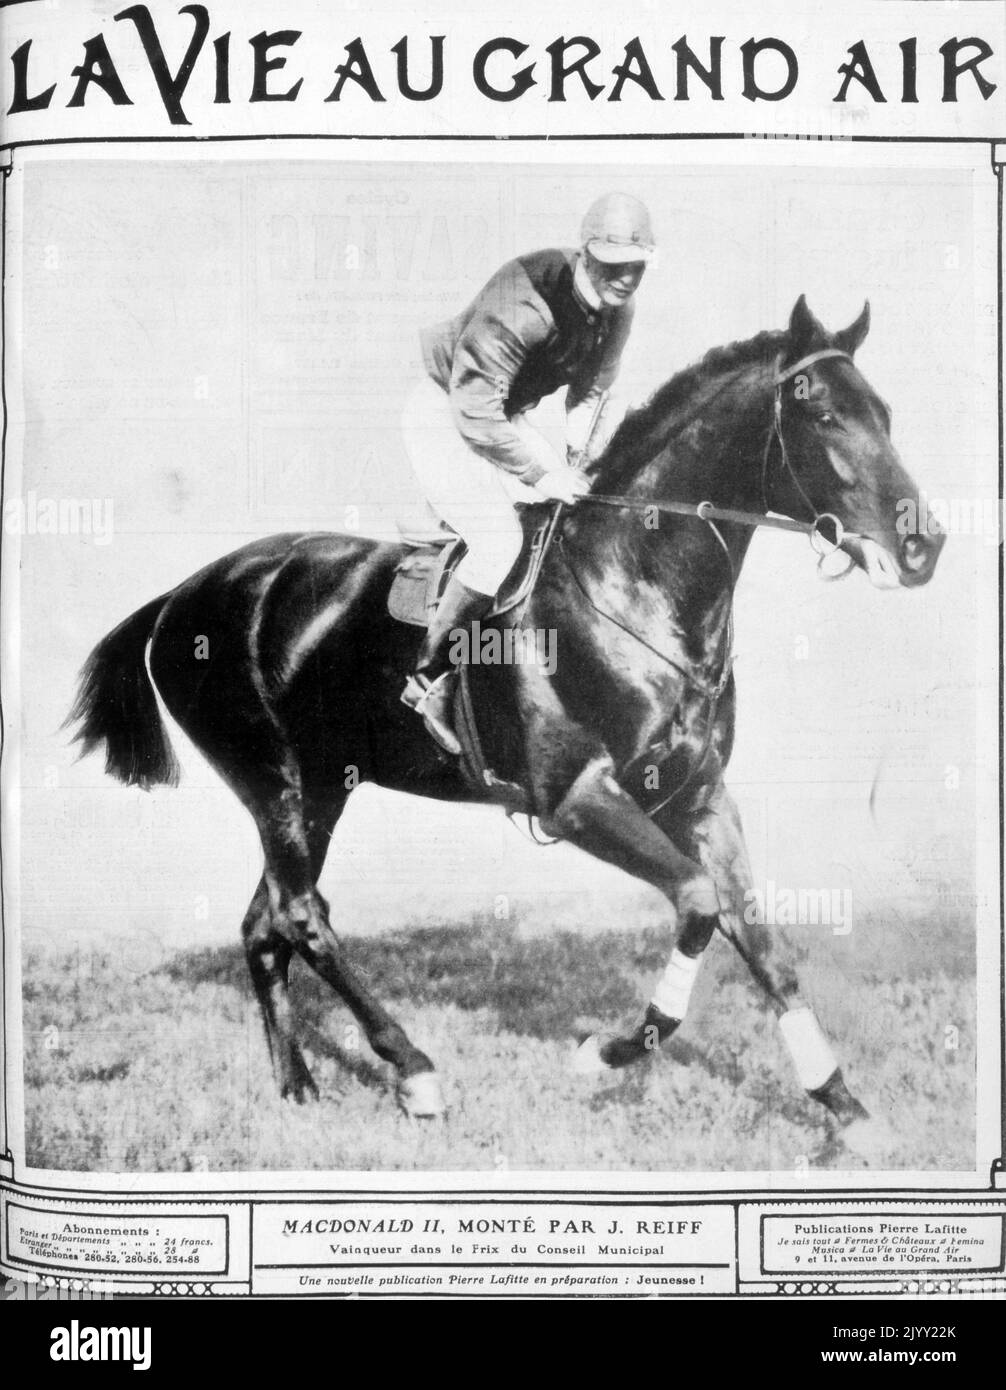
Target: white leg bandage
{"x":675,"y":985}
{"x":809,"y":1048}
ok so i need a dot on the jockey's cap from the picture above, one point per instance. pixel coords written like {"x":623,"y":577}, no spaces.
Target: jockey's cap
{"x":617,"y":229}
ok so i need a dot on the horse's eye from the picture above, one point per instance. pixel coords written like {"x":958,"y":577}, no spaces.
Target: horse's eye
{"x":825,"y":418}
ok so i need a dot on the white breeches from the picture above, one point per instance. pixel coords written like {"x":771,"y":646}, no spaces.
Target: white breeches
{"x":471,"y":494}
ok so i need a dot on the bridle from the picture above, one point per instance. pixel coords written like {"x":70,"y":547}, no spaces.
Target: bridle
{"x":709,"y":513}
{"x":822,"y":544}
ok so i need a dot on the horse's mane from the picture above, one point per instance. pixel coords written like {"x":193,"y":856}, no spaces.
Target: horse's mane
{"x":644,"y":431}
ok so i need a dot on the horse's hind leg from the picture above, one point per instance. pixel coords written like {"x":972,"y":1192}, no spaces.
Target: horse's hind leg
{"x":295,"y":833}
{"x":715,"y":837}
{"x":268,"y":954}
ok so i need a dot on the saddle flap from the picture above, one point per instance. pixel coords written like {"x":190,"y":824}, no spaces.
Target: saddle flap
{"x":539,"y":527}
{"x":420,"y":578}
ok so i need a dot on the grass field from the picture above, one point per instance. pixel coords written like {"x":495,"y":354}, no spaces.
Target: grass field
{"x":168,"y":1069}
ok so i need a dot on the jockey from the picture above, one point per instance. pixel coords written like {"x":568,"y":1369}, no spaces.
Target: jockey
{"x":546,"y":320}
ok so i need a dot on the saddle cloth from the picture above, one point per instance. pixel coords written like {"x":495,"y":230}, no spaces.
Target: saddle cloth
{"x":423,"y":573}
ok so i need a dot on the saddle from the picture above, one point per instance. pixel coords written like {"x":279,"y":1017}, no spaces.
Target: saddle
{"x":421,"y":577}
{"x":423,"y":573}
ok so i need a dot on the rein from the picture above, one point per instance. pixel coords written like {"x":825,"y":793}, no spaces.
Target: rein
{"x":822,"y":544}
{"x":705,"y":511}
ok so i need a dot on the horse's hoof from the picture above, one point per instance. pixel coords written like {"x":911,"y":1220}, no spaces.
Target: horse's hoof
{"x":870,"y":1139}
{"x":587,"y":1059}
{"x":304,"y":1094}
{"x":300,"y":1086}
{"x":420,"y":1096}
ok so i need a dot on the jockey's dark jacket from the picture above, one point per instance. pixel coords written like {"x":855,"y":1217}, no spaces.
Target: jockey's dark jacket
{"x":527,"y":333}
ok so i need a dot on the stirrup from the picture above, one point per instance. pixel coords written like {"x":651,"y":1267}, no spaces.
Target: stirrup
{"x":417,"y":694}
{"x":416,"y":690}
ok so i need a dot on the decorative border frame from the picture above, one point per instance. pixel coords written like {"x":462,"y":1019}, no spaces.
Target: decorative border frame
{"x":238,"y":1277}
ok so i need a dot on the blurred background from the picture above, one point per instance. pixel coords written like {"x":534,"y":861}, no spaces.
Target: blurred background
{"x":222,"y":349}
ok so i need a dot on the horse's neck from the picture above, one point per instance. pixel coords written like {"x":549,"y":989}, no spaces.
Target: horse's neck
{"x":682,"y":571}
{"x":664,"y":577}
{"x":717,"y":454}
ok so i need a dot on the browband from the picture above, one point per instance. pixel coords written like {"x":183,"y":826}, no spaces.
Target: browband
{"x":808,"y":361}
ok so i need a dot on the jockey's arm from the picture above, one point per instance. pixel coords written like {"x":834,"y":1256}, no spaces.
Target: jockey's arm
{"x":487,"y":358}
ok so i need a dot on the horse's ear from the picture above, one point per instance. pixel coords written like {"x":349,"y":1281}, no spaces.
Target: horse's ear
{"x":849,"y":339}
{"x":805,"y":332}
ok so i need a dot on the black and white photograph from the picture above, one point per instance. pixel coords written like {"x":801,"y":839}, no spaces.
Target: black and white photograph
{"x":502,"y":638}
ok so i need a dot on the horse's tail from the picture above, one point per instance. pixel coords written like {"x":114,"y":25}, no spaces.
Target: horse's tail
{"x":116,"y":705}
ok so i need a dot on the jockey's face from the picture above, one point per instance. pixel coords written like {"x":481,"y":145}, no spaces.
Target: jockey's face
{"x":613,"y":282}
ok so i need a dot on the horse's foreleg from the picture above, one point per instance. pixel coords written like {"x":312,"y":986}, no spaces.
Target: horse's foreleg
{"x":716,"y":838}
{"x":599,"y":816}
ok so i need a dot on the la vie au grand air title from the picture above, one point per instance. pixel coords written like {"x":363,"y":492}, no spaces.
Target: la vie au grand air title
{"x":262,"y":67}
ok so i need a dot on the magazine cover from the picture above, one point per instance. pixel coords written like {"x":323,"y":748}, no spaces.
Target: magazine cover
{"x":501,"y":651}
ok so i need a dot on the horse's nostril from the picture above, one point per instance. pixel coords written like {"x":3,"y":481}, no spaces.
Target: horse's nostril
{"x":915,"y":551}
{"x":827,"y":533}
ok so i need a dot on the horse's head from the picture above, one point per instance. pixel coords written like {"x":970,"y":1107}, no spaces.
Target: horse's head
{"x":836,"y":455}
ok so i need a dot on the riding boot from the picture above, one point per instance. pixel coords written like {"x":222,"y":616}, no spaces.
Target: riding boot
{"x":430,"y":689}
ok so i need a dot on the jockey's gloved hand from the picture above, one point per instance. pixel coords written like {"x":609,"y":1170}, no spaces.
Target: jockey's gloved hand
{"x":563,"y":484}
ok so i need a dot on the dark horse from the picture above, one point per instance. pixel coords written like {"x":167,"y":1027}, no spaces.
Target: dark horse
{"x":298,"y":697}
